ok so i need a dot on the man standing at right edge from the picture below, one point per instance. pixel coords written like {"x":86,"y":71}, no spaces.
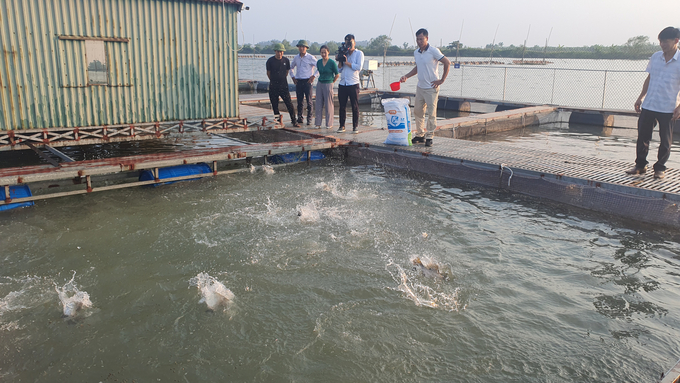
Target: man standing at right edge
{"x":660,"y":93}
{"x":427,"y":91}
{"x":348,"y":87}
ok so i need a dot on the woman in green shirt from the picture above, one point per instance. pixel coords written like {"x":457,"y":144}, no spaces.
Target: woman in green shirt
{"x":328,"y":75}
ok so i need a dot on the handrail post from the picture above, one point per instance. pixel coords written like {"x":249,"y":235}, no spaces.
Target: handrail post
{"x":604,"y":88}
{"x":552,"y":95}
{"x":505,"y":79}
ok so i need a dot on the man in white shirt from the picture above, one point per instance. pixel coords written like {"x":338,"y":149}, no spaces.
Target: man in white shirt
{"x":427,"y":91}
{"x":660,"y":94}
{"x":304,"y":65}
{"x":348,"y":87}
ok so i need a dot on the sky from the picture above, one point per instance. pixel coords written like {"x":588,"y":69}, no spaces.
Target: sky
{"x":574,"y":23}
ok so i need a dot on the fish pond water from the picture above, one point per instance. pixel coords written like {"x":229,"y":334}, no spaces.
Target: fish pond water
{"x":313,"y":273}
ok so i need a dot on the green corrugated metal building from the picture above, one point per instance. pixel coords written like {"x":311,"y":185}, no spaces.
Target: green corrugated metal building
{"x":75,"y":63}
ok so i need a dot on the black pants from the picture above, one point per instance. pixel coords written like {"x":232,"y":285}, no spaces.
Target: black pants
{"x":645,"y":128}
{"x":351,"y":91}
{"x":303,"y":89}
{"x":276,"y":91}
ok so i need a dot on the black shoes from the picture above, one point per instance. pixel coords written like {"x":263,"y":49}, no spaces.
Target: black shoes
{"x":355,"y":130}
{"x":659,"y":174}
{"x":341,"y":129}
{"x":420,"y":140}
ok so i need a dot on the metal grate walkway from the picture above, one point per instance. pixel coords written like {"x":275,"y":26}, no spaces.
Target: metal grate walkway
{"x":589,"y":169}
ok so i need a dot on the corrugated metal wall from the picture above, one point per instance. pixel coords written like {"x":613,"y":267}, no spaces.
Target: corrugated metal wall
{"x":180,"y":62}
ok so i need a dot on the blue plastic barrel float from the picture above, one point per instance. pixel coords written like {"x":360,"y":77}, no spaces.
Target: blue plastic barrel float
{"x":288,"y":158}
{"x":16,"y":191}
{"x":175,"y":171}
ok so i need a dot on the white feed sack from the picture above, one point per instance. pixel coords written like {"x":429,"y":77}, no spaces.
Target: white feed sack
{"x":398,"y":116}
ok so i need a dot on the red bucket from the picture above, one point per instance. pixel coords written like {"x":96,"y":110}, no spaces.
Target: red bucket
{"x":395,"y":86}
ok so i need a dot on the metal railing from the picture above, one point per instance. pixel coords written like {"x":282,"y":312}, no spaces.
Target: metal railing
{"x":588,"y":88}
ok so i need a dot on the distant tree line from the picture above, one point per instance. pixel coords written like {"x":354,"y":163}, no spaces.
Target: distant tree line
{"x":636,"y":48}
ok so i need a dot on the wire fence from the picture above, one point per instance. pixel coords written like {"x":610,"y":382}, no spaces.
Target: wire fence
{"x":581,"y":83}
{"x":602,"y":84}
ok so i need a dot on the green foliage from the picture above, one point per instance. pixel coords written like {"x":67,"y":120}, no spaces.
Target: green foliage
{"x":635,"y":48}
{"x":454,"y":44}
{"x":379,"y":43}
{"x":332,"y":47}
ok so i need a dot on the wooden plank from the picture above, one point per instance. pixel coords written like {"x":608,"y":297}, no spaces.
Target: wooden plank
{"x":43,"y":155}
{"x":59,"y":154}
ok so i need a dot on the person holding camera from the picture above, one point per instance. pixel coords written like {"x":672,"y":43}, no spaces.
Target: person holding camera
{"x":303,"y":79}
{"x":350,"y":61}
{"x":427,"y":92}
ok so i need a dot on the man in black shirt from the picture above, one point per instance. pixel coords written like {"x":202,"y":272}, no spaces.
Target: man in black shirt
{"x":277,"y":71}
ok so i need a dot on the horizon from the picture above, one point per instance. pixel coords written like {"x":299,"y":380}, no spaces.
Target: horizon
{"x":613,"y":22}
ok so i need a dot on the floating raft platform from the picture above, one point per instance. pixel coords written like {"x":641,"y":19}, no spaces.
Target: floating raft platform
{"x":591,"y":183}
{"x":80,"y":174}
{"x":586,"y":182}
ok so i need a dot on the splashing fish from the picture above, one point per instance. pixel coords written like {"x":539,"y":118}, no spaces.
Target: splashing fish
{"x":213,"y":292}
{"x":429,"y":269}
{"x":72,"y":299}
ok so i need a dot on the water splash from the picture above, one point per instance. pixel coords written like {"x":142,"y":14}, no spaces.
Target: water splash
{"x":72,"y":299}
{"x":351,"y":193}
{"x":213,"y":292}
{"x":252,"y":169}
{"x":268,"y":169}
{"x":438,"y":297}
{"x":308,"y":212}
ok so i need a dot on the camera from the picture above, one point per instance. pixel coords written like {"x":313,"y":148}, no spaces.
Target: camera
{"x":341,"y":54}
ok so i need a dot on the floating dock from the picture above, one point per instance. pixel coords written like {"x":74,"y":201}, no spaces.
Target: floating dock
{"x":591,"y":183}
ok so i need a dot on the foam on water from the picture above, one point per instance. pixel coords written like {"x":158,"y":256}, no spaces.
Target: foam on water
{"x":20,"y":294}
{"x":72,"y":299}
{"x":268,"y":169}
{"x":213,"y":292}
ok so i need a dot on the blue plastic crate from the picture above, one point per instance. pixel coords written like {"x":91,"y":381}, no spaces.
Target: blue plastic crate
{"x":175,"y":171}
{"x":295,"y":157}
{"x":16,"y":191}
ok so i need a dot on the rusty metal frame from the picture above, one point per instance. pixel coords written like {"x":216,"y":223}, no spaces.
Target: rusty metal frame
{"x":56,"y":137}
{"x":84,"y":170}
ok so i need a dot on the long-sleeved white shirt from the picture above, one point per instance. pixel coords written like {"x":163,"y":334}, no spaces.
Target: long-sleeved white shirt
{"x":303,"y":67}
{"x":349,"y":73}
